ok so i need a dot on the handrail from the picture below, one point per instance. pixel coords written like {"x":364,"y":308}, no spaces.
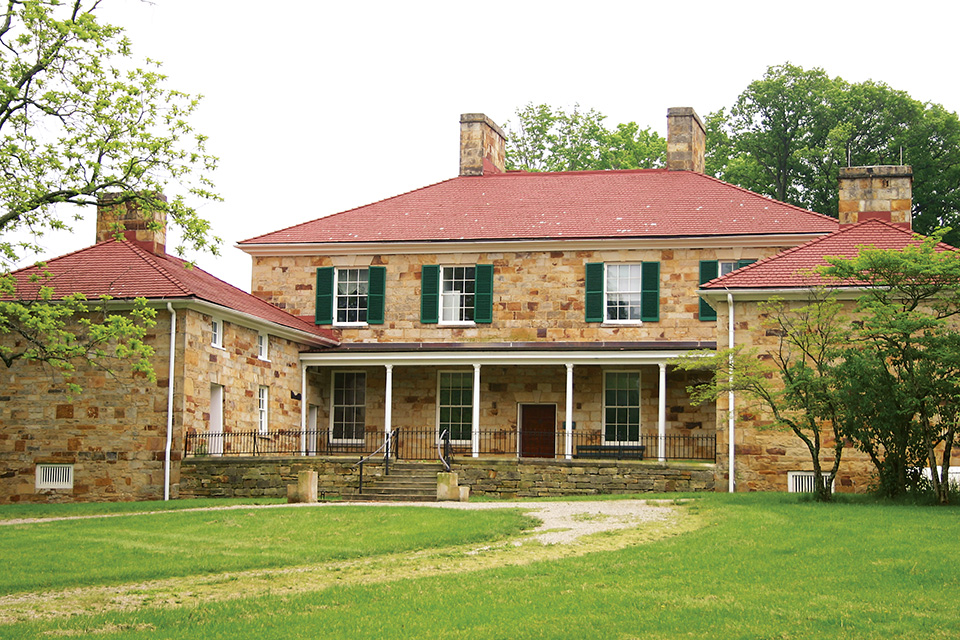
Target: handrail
{"x":385,"y":445}
{"x":445,"y":454}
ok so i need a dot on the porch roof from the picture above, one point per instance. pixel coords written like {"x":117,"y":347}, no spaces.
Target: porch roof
{"x":516,"y":353}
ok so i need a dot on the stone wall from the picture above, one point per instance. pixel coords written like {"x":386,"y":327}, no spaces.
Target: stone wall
{"x":250,"y":477}
{"x":537,"y":296}
{"x":874,"y":189}
{"x":114,"y":433}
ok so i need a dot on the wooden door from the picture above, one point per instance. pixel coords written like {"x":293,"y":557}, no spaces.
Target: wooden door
{"x":538,"y":430}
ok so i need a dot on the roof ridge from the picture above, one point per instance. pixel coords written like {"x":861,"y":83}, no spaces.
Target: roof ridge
{"x":340,"y":213}
{"x":519,"y":173}
{"x":763,"y":197}
{"x":149,"y":258}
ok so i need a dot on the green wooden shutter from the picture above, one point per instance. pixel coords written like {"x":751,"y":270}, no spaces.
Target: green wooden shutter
{"x":376,"y":290}
{"x":593,"y":281}
{"x":709,"y":269}
{"x":742,"y":263}
{"x":430,"y":294}
{"x":483,"y":294}
{"x":650,"y":292}
{"x":323,"y":313}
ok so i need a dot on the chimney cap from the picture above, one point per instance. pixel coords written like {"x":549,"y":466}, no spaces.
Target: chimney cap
{"x":877,"y":171}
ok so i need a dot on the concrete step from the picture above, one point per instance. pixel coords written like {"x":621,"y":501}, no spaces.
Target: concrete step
{"x":376,"y":497}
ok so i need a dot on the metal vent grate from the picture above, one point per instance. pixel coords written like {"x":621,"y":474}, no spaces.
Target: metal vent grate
{"x":800,"y":482}
{"x":54,"y":476}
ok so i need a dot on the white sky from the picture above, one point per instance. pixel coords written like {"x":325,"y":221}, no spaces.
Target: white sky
{"x":318,"y":107}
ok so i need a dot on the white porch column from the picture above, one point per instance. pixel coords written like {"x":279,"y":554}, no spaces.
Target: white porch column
{"x":568,"y":427}
{"x":662,"y":417}
{"x":476,"y":411}
{"x":303,"y":410}
{"x":388,"y":405}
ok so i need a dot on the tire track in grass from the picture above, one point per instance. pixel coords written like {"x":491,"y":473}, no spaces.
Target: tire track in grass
{"x":568,"y":529}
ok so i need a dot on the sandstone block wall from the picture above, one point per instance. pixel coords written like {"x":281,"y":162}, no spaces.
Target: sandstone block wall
{"x":880,"y":188}
{"x":538,"y":296}
{"x":115,"y":432}
{"x":337,"y":477}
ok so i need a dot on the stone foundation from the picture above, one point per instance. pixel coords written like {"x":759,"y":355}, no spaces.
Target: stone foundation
{"x":338,"y":477}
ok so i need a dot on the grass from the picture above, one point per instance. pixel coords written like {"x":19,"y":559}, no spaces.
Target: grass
{"x":113,"y":550}
{"x":761,"y":566}
{"x":19,"y":511}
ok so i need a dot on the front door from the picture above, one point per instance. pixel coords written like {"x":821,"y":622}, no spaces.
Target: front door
{"x":538,"y":430}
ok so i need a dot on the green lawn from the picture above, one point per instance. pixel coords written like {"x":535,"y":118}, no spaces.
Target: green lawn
{"x":761,"y":566}
{"x":18,"y":511}
{"x":143,"y":547}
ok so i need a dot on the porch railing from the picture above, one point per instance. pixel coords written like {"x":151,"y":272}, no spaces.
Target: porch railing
{"x":421,"y":444}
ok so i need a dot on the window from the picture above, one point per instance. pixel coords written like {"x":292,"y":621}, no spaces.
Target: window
{"x":623,"y":293}
{"x":350,"y":296}
{"x":456,"y":295}
{"x":455,"y":405}
{"x":216,"y":329}
{"x":621,"y":407}
{"x":349,"y":407}
{"x":54,"y":476}
{"x":263,"y":346}
{"x":802,"y":482}
{"x":710,"y":269}
{"x":263,"y":404}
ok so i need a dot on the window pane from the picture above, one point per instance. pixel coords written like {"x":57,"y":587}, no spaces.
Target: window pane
{"x":349,"y":412}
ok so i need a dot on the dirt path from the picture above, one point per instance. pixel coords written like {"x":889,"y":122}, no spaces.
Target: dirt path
{"x":567,"y":529}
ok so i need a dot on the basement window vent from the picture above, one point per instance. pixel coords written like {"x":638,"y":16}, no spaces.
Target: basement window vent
{"x":802,"y":482}
{"x":54,"y":476}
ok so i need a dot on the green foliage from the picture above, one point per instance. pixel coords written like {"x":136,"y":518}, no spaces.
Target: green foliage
{"x":900,"y":378}
{"x":789,"y":133}
{"x":551,"y":139}
{"x":793,"y":380}
{"x":79,"y":119}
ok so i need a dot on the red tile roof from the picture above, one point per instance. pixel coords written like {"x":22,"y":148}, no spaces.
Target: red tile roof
{"x":585,"y":204}
{"x":122,"y":270}
{"x":792,"y":268}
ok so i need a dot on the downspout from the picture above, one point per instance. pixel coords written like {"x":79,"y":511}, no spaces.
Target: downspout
{"x":730,"y":398}
{"x":166,"y":453}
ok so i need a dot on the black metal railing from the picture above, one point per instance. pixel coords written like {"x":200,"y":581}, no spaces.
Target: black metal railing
{"x":421,"y":444}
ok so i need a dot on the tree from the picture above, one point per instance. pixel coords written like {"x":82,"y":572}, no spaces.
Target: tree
{"x":789,"y":133}
{"x":900,"y":379}
{"x":551,"y":139}
{"x":77,"y":120}
{"x":793,"y":380}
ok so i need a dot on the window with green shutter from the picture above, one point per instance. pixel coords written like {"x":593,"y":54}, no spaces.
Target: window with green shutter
{"x":709,"y":269}
{"x":376,"y":294}
{"x":430,"y":294}
{"x":623,"y":293}
{"x":323,"y":312}
{"x":483,"y":298}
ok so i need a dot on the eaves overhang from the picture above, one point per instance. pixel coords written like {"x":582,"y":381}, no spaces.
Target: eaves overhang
{"x":786,"y":293}
{"x":549,"y":244}
{"x":467,"y":354}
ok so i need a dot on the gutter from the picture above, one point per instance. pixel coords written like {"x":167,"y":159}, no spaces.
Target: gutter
{"x":170,"y":371}
{"x":731,"y":414}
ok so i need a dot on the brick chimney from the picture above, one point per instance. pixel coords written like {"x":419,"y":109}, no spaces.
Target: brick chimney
{"x":882,"y":192}
{"x":143,"y":225}
{"x":686,"y":140}
{"x":482,"y":145}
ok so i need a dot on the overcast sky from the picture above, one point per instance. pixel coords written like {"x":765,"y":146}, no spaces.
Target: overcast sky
{"x":318,"y":107}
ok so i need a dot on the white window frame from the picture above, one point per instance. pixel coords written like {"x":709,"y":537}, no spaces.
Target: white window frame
{"x":263,"y":346}
{"x":797,"y":480}
{"x":54,"y":476}
{"x":726,"y":266}
{"x":469,"y":374}
{"x":639,"y":408}
{"x":607,"y":293}
{"x":334,"y":405}
{"x":337,"y":272}
{"x":263,"y":410}
{"x":456,"y":298}
{"x":953,"y":475}
{"x":216,"y":333}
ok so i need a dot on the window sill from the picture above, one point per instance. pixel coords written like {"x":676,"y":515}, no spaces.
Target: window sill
{"x":218,"y":346}
{"x":351,"y":325}
{"x":457,"y":324}
{"x":637,"y":323}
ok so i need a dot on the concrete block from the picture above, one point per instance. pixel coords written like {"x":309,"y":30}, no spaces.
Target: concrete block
{"x":307,"y":486}
{"x":447,"y":489}
{"x":464,"y":494}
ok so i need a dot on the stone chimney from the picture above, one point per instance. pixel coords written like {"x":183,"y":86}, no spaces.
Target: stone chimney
{"x":144,"y":226}
{"x":482,"y":145}
{"x":882,"y":192}
{"x":686,"y":140}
